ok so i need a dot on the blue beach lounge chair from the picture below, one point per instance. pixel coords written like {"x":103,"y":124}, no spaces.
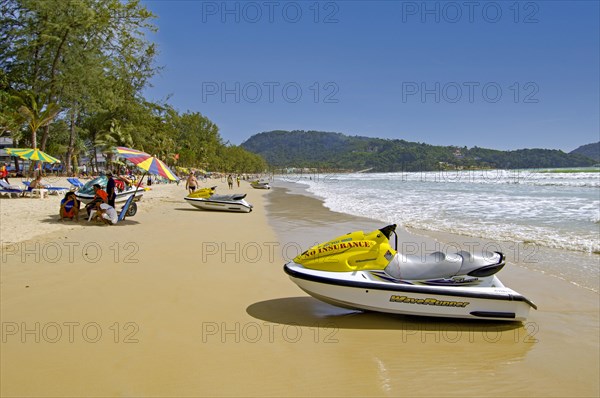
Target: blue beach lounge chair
{"x":51,"y":190}
{"x":41,"y":192}
{"x":75,"y":182}
{"x":10,"y":190}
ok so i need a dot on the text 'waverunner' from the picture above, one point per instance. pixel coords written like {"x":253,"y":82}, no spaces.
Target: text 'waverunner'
{"x":362,"y":271}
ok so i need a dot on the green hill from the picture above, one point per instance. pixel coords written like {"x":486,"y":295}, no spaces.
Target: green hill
{"x":338,"y":151}
{"x":590,"y":150}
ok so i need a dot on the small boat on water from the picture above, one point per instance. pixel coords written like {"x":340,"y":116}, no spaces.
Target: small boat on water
{"x":362,"y":271}
{"x":233,"y":203}
{"x":260,"y":184}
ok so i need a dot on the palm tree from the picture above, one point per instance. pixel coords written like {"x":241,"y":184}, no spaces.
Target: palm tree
{"x":115,"y":136}
{"x":36,"y":116}
{"x":163,"y":147}
{"x":79,"y":149}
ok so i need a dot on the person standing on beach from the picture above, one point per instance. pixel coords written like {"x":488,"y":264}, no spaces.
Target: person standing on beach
{"x":191,"y":183}
{"x":238,"y":180}
{"x":230,"y":181}
{"x":110,"y":189}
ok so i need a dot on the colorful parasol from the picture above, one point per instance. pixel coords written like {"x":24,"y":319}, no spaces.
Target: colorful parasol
{"x":146,"y":162}
{"x":32,"y":154}
{"x":133,"y":155}
{"x":156,"y":166}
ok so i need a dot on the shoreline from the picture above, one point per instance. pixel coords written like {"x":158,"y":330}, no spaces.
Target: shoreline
{"x":580,"y":236}
{"x":544,"y":356}
{"x":527,"y":255}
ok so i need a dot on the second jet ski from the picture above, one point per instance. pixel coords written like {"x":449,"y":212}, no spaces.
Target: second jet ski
{"x":206,"y":199}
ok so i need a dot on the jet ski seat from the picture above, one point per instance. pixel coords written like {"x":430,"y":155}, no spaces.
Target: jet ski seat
{"x":438,"y":265}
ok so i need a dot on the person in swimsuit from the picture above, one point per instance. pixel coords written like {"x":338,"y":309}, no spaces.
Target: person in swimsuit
{"x":191,"y":183}
{"x":36,"y":184}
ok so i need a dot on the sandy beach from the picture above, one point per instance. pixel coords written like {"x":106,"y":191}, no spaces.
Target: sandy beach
{"x":180,"y":302}
{"x":24,"y":218}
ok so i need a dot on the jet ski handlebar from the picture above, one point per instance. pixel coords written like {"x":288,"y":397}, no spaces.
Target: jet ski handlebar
{"x":387,"y":232}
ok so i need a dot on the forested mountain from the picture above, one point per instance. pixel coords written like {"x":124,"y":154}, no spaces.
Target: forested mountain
{"x":339,"y":151}
{"x":589,"y":150}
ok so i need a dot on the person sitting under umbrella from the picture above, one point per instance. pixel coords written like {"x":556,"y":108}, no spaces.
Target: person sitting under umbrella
{"x":105,"y":213}
{"x":100,"y":197}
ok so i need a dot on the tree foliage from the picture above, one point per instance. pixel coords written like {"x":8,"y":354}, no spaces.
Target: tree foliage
{"x":75,"y":70}
{"x":590,"y":150}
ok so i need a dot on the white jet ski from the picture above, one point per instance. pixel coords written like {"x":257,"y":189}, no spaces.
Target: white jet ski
{"x":260,"y":184}
{"x":234,"y":203}
{"x":362,"y":271}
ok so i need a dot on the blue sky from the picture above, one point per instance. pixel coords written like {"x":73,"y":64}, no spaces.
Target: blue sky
{"x":496,"y":74}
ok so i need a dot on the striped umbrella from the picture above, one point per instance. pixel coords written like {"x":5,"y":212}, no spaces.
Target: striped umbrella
{"x":32,"y":154}
{"x":146,"y":162}
{"x":156,"y":166}
{"x":133,"y":155}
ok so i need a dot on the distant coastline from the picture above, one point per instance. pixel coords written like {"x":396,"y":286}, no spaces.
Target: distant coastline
{"x":336,"y":151}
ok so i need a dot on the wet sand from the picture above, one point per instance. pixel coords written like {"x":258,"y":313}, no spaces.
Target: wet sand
{"x":182,"y":302}
{"x":555,"y":353}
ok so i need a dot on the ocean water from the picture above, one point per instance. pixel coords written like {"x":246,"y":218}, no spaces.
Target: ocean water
{"x":559,"y":210}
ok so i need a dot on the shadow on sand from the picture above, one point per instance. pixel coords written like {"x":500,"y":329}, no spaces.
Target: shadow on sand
{"x":83,"y":221}
{"x":310,"y":312}
{"x":186,"y":209}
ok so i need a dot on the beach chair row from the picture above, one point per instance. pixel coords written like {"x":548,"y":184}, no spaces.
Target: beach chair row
{"x":15,"y":191}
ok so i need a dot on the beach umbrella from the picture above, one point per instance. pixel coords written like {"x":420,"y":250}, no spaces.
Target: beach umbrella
{"x":32,"y":154}
{"x":146,"y":162}
{"x":156,"y":166}
{"x":133,"y":155}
